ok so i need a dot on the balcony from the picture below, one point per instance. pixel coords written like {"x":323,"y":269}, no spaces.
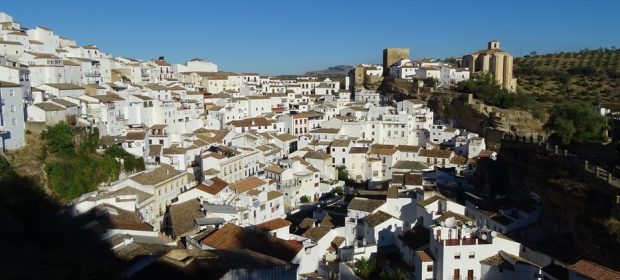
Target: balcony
{"x":464,"y":241}
{"x":92,"y":74}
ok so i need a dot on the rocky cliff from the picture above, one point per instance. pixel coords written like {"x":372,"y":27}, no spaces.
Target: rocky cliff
{"x":580,"y":213}
{"x":394,"y":85}
{"x":488,"y":121}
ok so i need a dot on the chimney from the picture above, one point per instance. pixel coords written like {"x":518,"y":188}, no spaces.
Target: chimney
{"x":167,"y":171}
{"x":161,"y":58}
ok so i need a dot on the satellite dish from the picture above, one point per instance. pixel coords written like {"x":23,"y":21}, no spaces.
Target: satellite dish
{"x":494,"y":233}
{"x":451,"y":222}
{"x":483,"y":236}
{"x":470,"y":223}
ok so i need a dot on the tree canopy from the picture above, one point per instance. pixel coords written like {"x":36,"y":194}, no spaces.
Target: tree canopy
{"x":366,"y":268}
{"x":576,"y":122}
{"x":74,"y":167}
{"x":486,"y":89}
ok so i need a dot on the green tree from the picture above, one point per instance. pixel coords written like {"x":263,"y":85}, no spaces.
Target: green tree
{"x":70,"y":173}
{"x":337,"y":191}
{"x":576,"y":122}
{"x":366,"y":268}
{"x":486,"y":89}
{"x":343,"y":173}
{"x":430,"y":82}
{"x":90,"y":142}
{"x":399,"y":274}
{"x":131,"y":164}
{"x":304,"y":199}
{"x":59,"y":139}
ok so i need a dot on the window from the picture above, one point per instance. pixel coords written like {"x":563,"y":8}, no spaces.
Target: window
{"x":472,"y":255}
{"x":457,"y":256}
{"x":429,"y":268}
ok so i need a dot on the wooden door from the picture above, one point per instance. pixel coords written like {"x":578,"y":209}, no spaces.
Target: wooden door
{"x":457,"y":273}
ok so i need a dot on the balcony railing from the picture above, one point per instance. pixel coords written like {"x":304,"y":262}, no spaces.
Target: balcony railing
{"x":92,"y":74}
{"x":464,"y":241}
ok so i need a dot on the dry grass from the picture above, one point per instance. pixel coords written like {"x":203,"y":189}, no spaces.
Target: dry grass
{"x":554,"y":78}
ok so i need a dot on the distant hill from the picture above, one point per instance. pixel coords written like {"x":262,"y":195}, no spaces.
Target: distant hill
{"x":589,"y":75}
{"x":339,"y":70}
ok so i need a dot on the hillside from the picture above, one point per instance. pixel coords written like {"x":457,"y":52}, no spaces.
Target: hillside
{"x":579,"y":216}
{"x":339,"y":70}
{"x":588,"y":75}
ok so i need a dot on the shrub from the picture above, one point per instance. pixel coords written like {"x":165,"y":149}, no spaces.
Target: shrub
{"x":576,"y":122}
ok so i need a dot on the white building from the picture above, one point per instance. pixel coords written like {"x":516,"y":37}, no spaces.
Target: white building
{"x":12,"y":125}
{"x":450,"y":76}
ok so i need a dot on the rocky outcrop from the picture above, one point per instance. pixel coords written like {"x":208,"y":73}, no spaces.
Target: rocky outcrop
{"x":394,"y":85}
{"x":488,"y":121}
{"x":579,"y":211}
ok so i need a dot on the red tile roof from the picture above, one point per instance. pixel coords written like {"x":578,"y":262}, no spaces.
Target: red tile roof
{"x":235,"y":238}
{"x":594,"y":271}
{"x":273,"y":224}
{"x":216,"y":186}
{"x":247,"y":184}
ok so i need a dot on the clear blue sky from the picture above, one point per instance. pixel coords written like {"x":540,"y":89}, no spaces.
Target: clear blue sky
{"x":291,"y":37}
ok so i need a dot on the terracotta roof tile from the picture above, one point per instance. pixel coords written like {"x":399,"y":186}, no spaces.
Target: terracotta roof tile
{"x":436,"y":153}
{"x":358,"y":150}
{"x":377,"y":218}
{"x":158,"y":175}
{"x":235,"y":238}
{"x":341,"y":143}
{"x":317,"y":155}
{"x":365,"y":205}
{"x":408,"y":148}
{"x":316,"y":233}
{"x":424,"y":256}
{"x":274,"y":224}
{"x":182,"y":217}
{"x":271,"y":195}
{"x":594,"y":271}
{"x":247,"y":184}
{"x":135,"y":135}
{"x":274,"y":168}
{"x":216,"y":186}
{"x":249,"y":122}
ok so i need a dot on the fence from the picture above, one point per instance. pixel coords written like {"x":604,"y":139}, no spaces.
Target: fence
{"x":534,"y":139}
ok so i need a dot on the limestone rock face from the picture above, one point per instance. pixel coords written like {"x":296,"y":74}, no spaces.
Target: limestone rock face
{"x":579,"y":214}
{"x":394,"y":85}
{"x":488,"y":121}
